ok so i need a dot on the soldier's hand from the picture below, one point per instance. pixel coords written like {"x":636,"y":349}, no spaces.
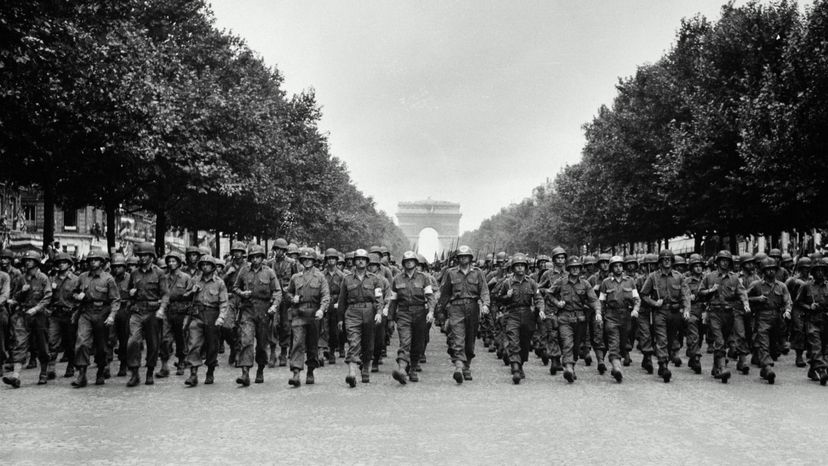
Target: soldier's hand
{"x":485,"y":309}
{"x":336,"y":306}
{"x":295,"y":299}
{"x":220,"y":322}
{"x":110,"y":321}
{"x":132,"y":292}
{"x":80,"y":296}
{"x":634,"y":314}
{"x":378,"y":318}
{"x":32,"y":311}
{"x":196,"y":289}
{"x":761,"y":299}
{"x":430,"y":317}
{"x":561,"y":304}
{"x":659,"y":303}
{"x":246,"y":293}
{"x":786,"y":315}
{"x":686,"y":315}
{"x":713,"y":288}
{"x":692,"y":298}
{"x":599,"y":317}
{"x":339,"y":325}
{"x":319,"y":314}
{"x":704,"y":317}
{"x":509,"y":293}
{"x":26,"y":287}
{"x":596,"y":288}
{"x":747,"y":308}
{"x":160,"y":315}
{"x":272,"y":310}
{"x":541,"y":315}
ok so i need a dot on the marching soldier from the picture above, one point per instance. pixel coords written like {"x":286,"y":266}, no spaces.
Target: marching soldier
{"x":208,"y":314}
{"x":465,"y":292}
{"x":360,"y":309}
{"x":550,"y":324}
{"x":697,"y":312}
{"x":633,"y":271}
{"x":329,"y":339}
{"x":572,"y":296}
{"x":411,"y":306}
{"x":62,"y":330}
{"x":180,"y":286}
{"x":5,"y":290}
{"x":375,"y":267}
{"x":813,"y":297}
{"x":435,"y":286}
{"x":802,"y":274}
{"x":728,"y":301}
{"x":285,"y":267}
{"x":121,"y":276}
{"x":619,"y":302}
{"x":595,"y":335}
{"x":748,"y":275}
{"x":522,"y":304}
{"x":309,"y":296}
{"x":191,"y":255}
{"x":493,"y":321}
{"x":771,"y":303}
{"x":238,"y":262}
{"x":260,"y":293}
{"x":100,"y":300}
{"x":149,"y":297}
{"x":644,"y":333}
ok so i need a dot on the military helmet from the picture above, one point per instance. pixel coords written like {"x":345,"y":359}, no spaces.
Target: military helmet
{"x":759,"y":257}
{"x":410,"y":255}
{"x":256,"y":250}
{"x":331,"y":252}
{"x":820,"y":264}
{"x":604,"y":257}
{"x":573,"y":262}
{"x":489,"y":257}
{"x":118,"y":259}
{"x":374,"y":258}
{"x":557,"y":251}
{"x":7,"y":253}
{"x":132,"y":260}
{"x":160,"y":263}
{"x":63,"y":257}
{"x":361,"y":254}
{"x":542,"y":258}
{"x":724,"y":254}
{"x":769,"y":263}
{"x":192,"y":250}
{"x":292,"y":249}
{"x":220,"y":262}
{"x":588,"y":260}
{"x":666,"y":253}
{"x":422,"y":260}
{"x":519,"y":258}
{"x":144,"y":249}
{"x":650,"y":259}
{"x":803,"y":263}
{"x":205,"y":250}
{"x":501,"y":257}
{"x":350,"y":255}
{"x":375,"y":250}
{"x":207,"y":259}
{"x":679,"y":260}
{"x":32,"y":255}
{"x":174,"y":255}
{"x":746,"y":257}
{"x":787,"y":258}
{"x":696,"y":259}
{"x":307,"y":253}
{"x":616,"y":260}
{"x":775,"y":252}
{"x":238,"y":246}
{"x":384,"y":250}
{"x":630,"y":259}
{"x":280,"y":243}
{"x":464,"y":251}
{"x":96,"y":254}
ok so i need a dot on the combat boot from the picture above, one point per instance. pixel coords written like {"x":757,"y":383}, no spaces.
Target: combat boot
{"x":70,"y":371}
{"x":412,"y":376}
{"x":616,"y":370}
{"x":823,"y":376}
{"x":122,"y":369}
{"x":134,"y":379}
{"x":399,"y":373}
{"x":43,"y":378}
{"x":627,"y":359}
{"x":375,"y":365}
{"x":50,"y":371}
{"x":588,"y":359}
{"x":149,"y":380}
{"x":602,"y":367}
{"x":522,"y":374}
{"x":259,"y":374}
{"x":208,"y":379}
{"x":695,"y":364}
{"x":423,"y":359}
{"x":676,"y":361}
{"x":309,"y":379}
{"x":569,"y":373}
{"x":769,"y":375}
{"x":555,"y":365}
{"x":515,"y":373}
{"x":244,"y":379}
{"x":647,"y":363}
{"x":800,"y":361}
{"x":12,"y":380}
{"x":271,"y":361}
{"x":351,"y":378}
{"x":179,"y":368}
{"x":81,"y":381}
{"x":742,"y":366}
{"x":467,"y":371}
{"x":164,"y":372}
{"x":294,"y":381}
{"x":283,"y":357}
{"x":458,"y":372}
{"x":100,"y":376}
{"x":366,"y":369}
{"x":720,"y":371}
{"x":331,"y":358}
{"x":32,"y":363}
{"x":664,"y":372}
{"x":192,"y":380}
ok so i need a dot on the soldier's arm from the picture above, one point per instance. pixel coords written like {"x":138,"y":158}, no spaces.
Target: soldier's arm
{"x":223,"y":301}
{"x":445,"y":293}
{"x":786,"y":298}
{"x":647,"y":290}
{"x":5,"y":288}
{"x":431,"y":297}
{"x":753,"y":293}
{"x":537,"y":297}
{"x":47,"y":295}
{"x":276,"y":289}
{"x":343,"y":301}
{"x":685,"y":295}
{"x":238,"y":284}
{"x":592,"y":300}
{"x":326,"y":295}
{"x":165,"y":294}
{"x":114,"y":297}
{"x":392,"y":301}
{"x":742,"y":292}
{"x":484,"y":290}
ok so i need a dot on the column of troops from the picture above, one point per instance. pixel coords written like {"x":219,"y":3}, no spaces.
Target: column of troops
{"x":295,"y":307}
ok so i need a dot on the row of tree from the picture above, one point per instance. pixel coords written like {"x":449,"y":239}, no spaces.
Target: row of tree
{"x":145,"y":104}
{"x":725,"y":135}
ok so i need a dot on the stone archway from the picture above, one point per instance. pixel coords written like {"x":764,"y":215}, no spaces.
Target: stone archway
{"x":442,"y":216}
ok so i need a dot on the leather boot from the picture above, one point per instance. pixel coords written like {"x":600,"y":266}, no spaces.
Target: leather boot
{"x":627,"y":359}
{"x":569,"y":373}
{"x":351,"y":378}
{"x":106,"y":373}
{"x":742,"y":365}
{"x":458,"y":372}
{"x":164,"y":372}
{"x":208,"y":379}
{"x":467,"y":375}
{"x":260,"y":374}
{"x":647,"y":363}
{"x":100,"y":376}
{"x":399,"y":373}
{"x":122,"y":369}
{"x":800,"y":361}
{"x":770,"y":376}
{"x":823,"y":376}
{"x":81,"y":381}
{"x":588,"y":359}
{"x":150,"y":380}
{"x":413,"y":376}
{"x":309,"y":379}
{"x":375,"y":365}
{"x":134,"y":380}
{"x":331,"y":358}
{"x":695,"y":364}
{"x":555,"y":365}
{"x":50,"y":371}
{"x":522,"y":374}
{"x":664,"y":372}
{"x":70,"y":371}
{"x":721,"y":372}
{"x":366,"y":369}
{"x":283,"y":357}
{"x":271,"y":361}
{"x":179,"y":368}
{"x":602,"y":367}
{"x":616,"y":370}
{"x":192,"y":380}
{"x":294,"y":381}
{"x":244,"y":379}
{"x":43,"y":378}
{"x":676,"y":361}
{"x":515,"y":373}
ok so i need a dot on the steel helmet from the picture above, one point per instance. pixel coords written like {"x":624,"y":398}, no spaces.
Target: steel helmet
{"x":557,"y":251}
{"x":96,"y":254}
{"x":696,"y":259}
{"x":374,"y":258}
{"x":803,"y":263}
{"x":238,"y":246}
{"x":501,"y":257}
{"x":219,"y":262}
{"x":724,"y":254}
{"x":160,"y":264}
{"x":769,"y":263}
{"x":820,"y":264}
{"x":375,"y":250}
{"x":775,"y":253}
{"x":205,"y":250}
{"x":361,"y":254}
{"x":331,"y":252}
{"x":132,"y":260}
{"x":679,"y":260}
{"x":759,"y":257}
{"x":63,"y":257}
{"x":383,"y":250}
{"x":174,"y":255}
{"x":542,"y":258}
{"x":256,"y":250}
{"x":280,"y":243}
{"x":350,"y":255}
{"x":464,"y":251}
{"x":7,"y":253}
{"x":616,"y":260}
{"x":292,"y":249}
{"x":588,"y":260}
{"x":410,"y":255}
{"x":650,"y":259}
{"x":573,"y":262}
{"x":32,"y":255}
{"x":630,"y":259}
{"x":666,"y":253}
{"x":746,"y":257}
{"x":489,"y":257}
{"x":519,"y":258}
{"x":603,"y":257}
{"x":422,"y":260}
{"x":145,"y":249}
{"x":118,"y":259}
{"x":787,"y":258}
{"x":192,"y":250}
{"x":207,"y":259}
{"x":307,"y":253}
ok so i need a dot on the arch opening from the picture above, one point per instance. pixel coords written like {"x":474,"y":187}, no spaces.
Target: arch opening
{"x":428,"y":243}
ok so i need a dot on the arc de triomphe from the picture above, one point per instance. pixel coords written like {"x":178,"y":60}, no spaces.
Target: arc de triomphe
{"x":442,"y":216}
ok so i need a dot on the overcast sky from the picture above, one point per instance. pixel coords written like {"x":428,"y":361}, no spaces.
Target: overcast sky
{"x":475,"y":102}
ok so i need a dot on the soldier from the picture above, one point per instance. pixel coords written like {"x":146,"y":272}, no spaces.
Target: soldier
{"x":100,"y":300}
{"x":633,"y":271}
{"x":309,"y":296}
{"x":360,"y":309}
{"x":619,"y":302}
{"x":375,"y":267}
{"x":180,"y":285}
{"x":208,"y":314}
{"x":748,"y":276}
{"x":492,"y":323}
{"x":261,"y":294}
{"x":550,"y":324}
{"x":589,"y":268}
{"x":121,"y":327}
{"x":29,"y":320}
{"x":465,"y":291}
{"x":782,"y":273}
{"x":644,"y":333}
{"x":771,"y":303}
{"x":285,"y":267}
{"x":423,"y":268}
{"x":680,"y":265}
{"x":667,"y":293}
{"x":227,"y":331}
{"x":728,"y":302}
{"x":797,"y":328}
{"x":813,"y":298}
{"x":149,"y":296}
{"x":411,"y":306}
{"x":62,"y":330}
{"x":191,"y":255}
{"x":698,"y":313}
{"x":8,"y":288}
{"x":572,"y":296}
{"x":349,"y":262}
{"x":5,"y":290}
{"x":329,"y":339}
{"x":594,"y":339}
{"x":520,"y":300}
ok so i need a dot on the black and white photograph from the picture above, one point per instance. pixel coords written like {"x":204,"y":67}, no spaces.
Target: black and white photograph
{"x":463,"y":232}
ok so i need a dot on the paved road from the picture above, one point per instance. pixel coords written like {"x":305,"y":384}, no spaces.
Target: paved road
{"x":693,"y":419}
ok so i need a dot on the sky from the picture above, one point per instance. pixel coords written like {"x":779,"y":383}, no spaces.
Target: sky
{"x":475,"y":102}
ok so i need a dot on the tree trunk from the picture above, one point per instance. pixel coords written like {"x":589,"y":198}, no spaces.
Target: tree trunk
{"x":109,"y":210}
{"x":160,"y":232}
{"x":48,"y":216}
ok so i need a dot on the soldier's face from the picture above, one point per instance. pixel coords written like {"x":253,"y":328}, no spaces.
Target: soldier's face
{"x":95,"y":264}
{"x":749,"y":267}
{"x":603,"y":265}
{"x":307,"y":263}
{"x":192,"y":257}
{"x":770,"y":274}
{"x":118,"y":269}
{"x":63,"y":266}
{"x":723,"y":264}
{"x":519,"y":269}
{"x":632,"y":267}
{"x":666,"y":262}
{"x":697,"y":269}
{"x":617,"y":269}
{"x":207,"y":268}
{"x":360,"y":263}
{"x":465,"y":260}
{"x":559,"y":260}
{"x":173,"y":264}
{"x":5,"y":262}
{"x":332,"y":261}
{"x":257,"y":260}
{"x":280,"y":253}
{"x":409,"y":264}
{"x":145,"y":259}
{"x":575,"y":270}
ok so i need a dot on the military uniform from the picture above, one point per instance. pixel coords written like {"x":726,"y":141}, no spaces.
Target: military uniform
{"x":180,"y":285}
{"x":121,"y":326}
{"x":101,"y":300}
{"x":813,"y":297}
{"x":62,"y":329}
{"x":329,"y":339}
{"x":149,"y":295}
{"x":284,"y":268}
{"x":619,"y":299}
{"x":770,"y":302}
{"x":311,"y":289}
{"x":798,"y":312}
{"x":698,"y":309}
{"x":549,"y":326}
{"x":412,"y":299}
{"x":10,"y":287}
{"x":361,"y":298}
{"x":209,"y":306}
{"x":228,"y":331}
{"x":31,"y":331}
